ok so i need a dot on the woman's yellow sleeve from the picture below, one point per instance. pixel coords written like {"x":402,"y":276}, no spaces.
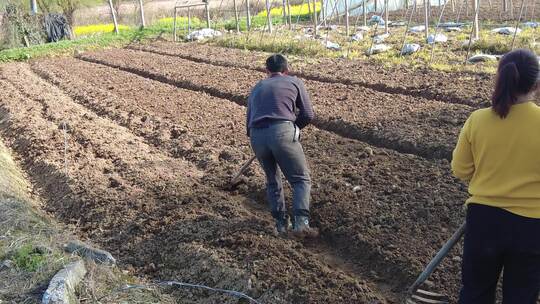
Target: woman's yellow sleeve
{"x":462,"y":158}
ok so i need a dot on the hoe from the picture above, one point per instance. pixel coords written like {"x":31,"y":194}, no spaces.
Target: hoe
{"x":244,"y":167}
{"x":417,"y":295}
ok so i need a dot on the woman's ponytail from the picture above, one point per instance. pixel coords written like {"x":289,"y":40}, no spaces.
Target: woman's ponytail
{"x":504,"y":95}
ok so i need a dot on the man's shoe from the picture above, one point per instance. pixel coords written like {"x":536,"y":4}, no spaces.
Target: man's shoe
{"x":301,"y":227}
{"x":283,"y":224}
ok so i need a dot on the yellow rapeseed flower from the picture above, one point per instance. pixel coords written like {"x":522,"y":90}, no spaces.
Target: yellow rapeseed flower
{"x":92,"y":29}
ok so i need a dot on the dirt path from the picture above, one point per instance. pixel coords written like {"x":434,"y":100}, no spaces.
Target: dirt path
{"x":402,"y":123}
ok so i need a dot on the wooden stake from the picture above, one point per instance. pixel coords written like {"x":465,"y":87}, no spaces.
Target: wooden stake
{"x":113,"y":14}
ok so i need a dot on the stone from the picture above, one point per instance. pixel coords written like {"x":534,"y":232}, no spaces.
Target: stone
{"x":97,"y":255}
{"x":410,"y":48}
{"x":61,"y":289}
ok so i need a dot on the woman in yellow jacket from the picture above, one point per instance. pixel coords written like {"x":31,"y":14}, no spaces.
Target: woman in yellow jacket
{"x":498,"y":153}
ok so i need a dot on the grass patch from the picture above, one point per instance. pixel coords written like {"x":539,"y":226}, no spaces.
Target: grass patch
{"x":28,"y":258}
{"x":448,"y":57}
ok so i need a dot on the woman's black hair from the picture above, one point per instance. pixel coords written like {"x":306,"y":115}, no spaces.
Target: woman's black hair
{"x":277,"y":63}
{"x":517,"y":75}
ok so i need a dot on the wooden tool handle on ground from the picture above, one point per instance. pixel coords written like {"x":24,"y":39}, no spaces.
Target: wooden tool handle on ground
{"x":234,"y":180}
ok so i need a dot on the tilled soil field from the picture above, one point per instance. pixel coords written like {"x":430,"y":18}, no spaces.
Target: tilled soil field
{"x":467,"y":88}
{"x":139,"y":166}
{"x":400,"y":122}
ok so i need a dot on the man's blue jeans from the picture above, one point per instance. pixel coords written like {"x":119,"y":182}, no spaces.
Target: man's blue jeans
{"x":275,"y":146}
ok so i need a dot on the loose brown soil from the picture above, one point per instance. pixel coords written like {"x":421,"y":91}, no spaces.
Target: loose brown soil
{"x":400,"y":122}
{"x":138,"y":164}
{"x":457,"y":87}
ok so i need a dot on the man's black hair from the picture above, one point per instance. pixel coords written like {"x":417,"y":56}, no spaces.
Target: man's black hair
{"x":277,"y":63}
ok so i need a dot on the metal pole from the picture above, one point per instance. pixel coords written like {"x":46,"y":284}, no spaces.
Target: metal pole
{"x":426,"y":18}
{"x":289,"y":18}
{"x":141,"y":6}
{"x":315,"y":16}
{"x":248,"y":15}
{"x":284,"y":5}
{"x":268,"y":17}
{"x":113,"y":14}
{"x":436,"y":32}
{"x":364,"y":12}
{"x":471,"y":38}
{"x":517,"y":24}
{"x":413,"y":11}
{"x":174,"y":24}
{"x":476,"y":30}
{"x":207,"y":9}
{"x":189,"y":20}
{"x":347,"y":17}
{"x":33,"y":7}
{"x":236,"y":16}
{"x":386,"y":16}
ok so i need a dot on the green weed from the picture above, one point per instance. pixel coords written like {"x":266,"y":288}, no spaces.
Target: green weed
{"x":29,"y":258}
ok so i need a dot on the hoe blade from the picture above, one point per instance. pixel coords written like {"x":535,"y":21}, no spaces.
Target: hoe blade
{"x":427,"y":297}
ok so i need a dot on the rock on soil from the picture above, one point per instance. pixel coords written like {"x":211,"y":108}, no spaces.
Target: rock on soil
{"x":62,"y":286}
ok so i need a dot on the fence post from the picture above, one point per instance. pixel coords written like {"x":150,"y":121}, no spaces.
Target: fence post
{"x":141,"y":6}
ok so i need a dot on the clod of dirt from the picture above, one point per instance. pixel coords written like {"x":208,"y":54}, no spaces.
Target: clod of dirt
{"x":114,"y":183}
